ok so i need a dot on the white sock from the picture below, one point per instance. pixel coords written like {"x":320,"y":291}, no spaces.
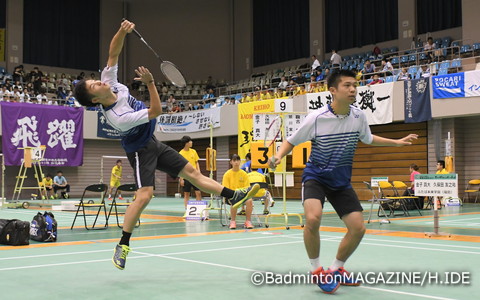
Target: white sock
{"x":109,"y":196}
{"x":315,"y":262}
{"x":336,"y":264}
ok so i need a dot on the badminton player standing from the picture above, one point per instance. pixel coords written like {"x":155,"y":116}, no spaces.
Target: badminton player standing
{"x":334,"y":131}
{"x":136,"y":123}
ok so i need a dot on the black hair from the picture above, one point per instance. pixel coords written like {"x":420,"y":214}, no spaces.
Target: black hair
{"x":119,"y":160}
{"x":248,"y":156}
{"x":48,"y":175}
{"x":185,"y":139}
{"x":442,"y":162}
{"x":82,"y":95}
{"x":59,"y":171}
{"x":334,"y":78}
{"x":234,"y":157}
{"x":415,"y":167}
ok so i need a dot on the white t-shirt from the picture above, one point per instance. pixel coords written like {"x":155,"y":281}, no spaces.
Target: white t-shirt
{"x":334,"y":140}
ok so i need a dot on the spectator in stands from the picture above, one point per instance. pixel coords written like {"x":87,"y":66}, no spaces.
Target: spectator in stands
{"x":16,"y":93}
{"x":170,"y":102}
{"x":208,"y":94}
{"x":283,"y":83}
{"x":299,"y":79}
{"x":322,"y":87}
{"x":429,"y":48}
{"x":176,"y":108}
{"x":42,"y":97}
{"x":210,"y":84}
{"x":60,"y":183}
{"x":23,"y":96}
{"x":368,"y":67}
{"x":63,"y":81}
{"x":93,"y":76}
{"x":315,"y":64}
{"x":312,"y":86}
{"x":36,"y":77}
{"x":376,"y":80}
{"x":441,"y":167}
{"x":403,"y":75}
{"x":335,"y":59}
{"x":387,"y":67}
{"x":425,"y":73}
{"x":18,"y":74}
{"x":318,"y":75}
{"x":376,"y":51}
{"x":280,"y":93}
{"x":70,"y":101}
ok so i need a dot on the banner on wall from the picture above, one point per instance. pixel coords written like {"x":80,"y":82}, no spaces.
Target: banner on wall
{"x":104,"y":130}
{"x":417,"y":100}
{"x":375,"y":101}
{"x":448,"y":86}
{"x":472,"y":83}
{"x":190,"y":121}
{"x":59,"y":128}
{"x":245,"y":122}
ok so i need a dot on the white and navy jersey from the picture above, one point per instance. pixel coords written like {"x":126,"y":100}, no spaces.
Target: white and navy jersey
{"x":334,"y":140}
{"x":127,"y":115}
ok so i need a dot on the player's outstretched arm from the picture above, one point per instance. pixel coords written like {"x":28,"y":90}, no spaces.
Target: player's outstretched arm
{"x":285,"y":148}
{"x":381,"y":141}
{"x":144,"y":75}
{"x":116,"y":44}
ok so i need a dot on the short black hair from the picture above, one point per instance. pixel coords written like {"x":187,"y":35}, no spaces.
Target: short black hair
{"x":82,"y":95}
{"x":442,"y":162}
{"x":248,"y":156}
{"x":119,"y":160}
{"x":334,"y":78}
{"x":185,"y":139}
{"x":234,"y":157}
{"x":59,"y":171}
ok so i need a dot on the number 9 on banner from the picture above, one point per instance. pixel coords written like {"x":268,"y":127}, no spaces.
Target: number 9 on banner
{"x":260,"y":154}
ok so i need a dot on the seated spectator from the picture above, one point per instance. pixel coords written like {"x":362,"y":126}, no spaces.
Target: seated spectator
{"x":376,"y":50}
{"x":61,"y":94}
{"x":18,"y":74}
{"x":175,"y":108}
{"x":368,"y":67}
{"x":359,"y":75}
{"x":42,"y":97}
{"x":376,"y":80}
{"x":441,"y":167}
{"x":403,"y":75}
{"x":170,"y":102}
{"x":319,"y":76}
{"x":283,"y":83}
{"x":299,"y":79}
{"x":47,"y":187}
{"x":387,"y":67}
{"x":208,"y":94}
{"x":70,"y":101}
{"x":429,"y":48}
{"x":63,"y":81}
{"x":425,"y":71}
{"x":321,"y":87}
{"x":312,"y":86}
{"x":280,"y":93}
{"x":60,"y":183}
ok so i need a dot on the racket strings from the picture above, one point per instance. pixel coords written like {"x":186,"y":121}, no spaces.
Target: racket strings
{"x":173,"y":74}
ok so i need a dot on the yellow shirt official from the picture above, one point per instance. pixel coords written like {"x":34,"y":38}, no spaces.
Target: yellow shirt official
{"x":254,"y":177}
{"x":235,"y":179}
{"x":45,"y":182}
{"x":443,"y":171}
{"x":190,"y":155}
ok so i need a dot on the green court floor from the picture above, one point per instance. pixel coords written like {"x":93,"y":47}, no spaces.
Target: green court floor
{"x":176,"y":259}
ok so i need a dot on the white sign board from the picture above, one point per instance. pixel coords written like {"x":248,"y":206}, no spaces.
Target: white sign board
{"x":375,"y":180}
{"x":195,"y":208}
{"x":284,"y":105}
{"x":445,"y":185}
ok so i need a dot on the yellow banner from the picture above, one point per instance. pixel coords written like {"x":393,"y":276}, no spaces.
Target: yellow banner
{"x":2,"y":44}
{"x":245,"y":122}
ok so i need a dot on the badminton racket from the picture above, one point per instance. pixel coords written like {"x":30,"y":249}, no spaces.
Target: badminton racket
{"x":169,"y":69}
{"x":273,"y":133}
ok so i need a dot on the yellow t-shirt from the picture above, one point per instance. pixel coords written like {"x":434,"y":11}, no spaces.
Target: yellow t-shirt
{"x":253,"y":177}
{"x":116,"y":170}
{"x":190,"y":155}
{"x":235,"y":179}
{"x":45,"y":182}
{"x":443,"y":171}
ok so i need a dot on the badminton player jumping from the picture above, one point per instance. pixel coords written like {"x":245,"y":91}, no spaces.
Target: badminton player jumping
{"x":136,"y":123}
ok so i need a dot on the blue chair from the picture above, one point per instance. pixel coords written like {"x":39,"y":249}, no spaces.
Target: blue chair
{"x":404,"y":59}
{"x":389,"y":79}
{"x":445,"y":64}
{"x":395,"y":60}
{"x":423,"y":56}
{"x":346,"y":57}
{"x":442,"y":71}
{"x":456,"y":63}
{"x":465,"y":49}
{"x":413,"y":70}
{"x":393,"y":49}
{"x":412,"y":58}
{"x":455,"y":45}
{"x":476,"y":47}
{"x":446,"y":42}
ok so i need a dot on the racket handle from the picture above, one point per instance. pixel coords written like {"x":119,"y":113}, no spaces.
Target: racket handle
{"x":273,"y":159}
{"x":135,"y":31}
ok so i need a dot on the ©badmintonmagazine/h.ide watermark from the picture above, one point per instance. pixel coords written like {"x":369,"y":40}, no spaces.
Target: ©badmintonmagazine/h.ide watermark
{"x":419,"y":278}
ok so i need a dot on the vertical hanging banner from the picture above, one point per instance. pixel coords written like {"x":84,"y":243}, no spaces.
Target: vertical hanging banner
{"x":375,"y":101}
{"x":59,"y":128}
{"x":417,"y":100}
{"x":245,"y":122}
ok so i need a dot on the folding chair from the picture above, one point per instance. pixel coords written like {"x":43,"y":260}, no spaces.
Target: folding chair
{"x":473,"y":187}
{"x":129,"y":188}
{"x":401,"y":185}
{"x":83,"y":204}
{"x":398,"y":202}
{"x":381,"y":202}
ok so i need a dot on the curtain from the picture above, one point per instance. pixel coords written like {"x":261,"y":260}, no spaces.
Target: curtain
{"x":355,"y":23}
{"x":435,"y":15}
{"x":62,"y":33}
{"x":280,"y":31}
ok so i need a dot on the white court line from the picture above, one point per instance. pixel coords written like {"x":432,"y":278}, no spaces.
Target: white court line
{"x":252,"y":270}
